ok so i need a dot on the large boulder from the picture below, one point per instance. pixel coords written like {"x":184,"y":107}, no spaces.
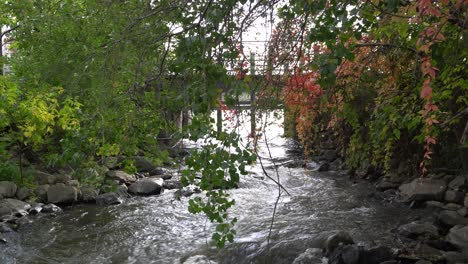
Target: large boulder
{"x":454,"y":197}
{"x":7,"y":189}
{"x":459,"y":183}
{"x":419,"y":230}
{"x":11,"y":206}
{"x":338,"y":239}
{"x":121,"y":176}
{"x":108,"y":199}
{"x":45,"y":178}
{"x":62,"y":194}
{"x":458,"y":236}
{"x":147,"y":186}
{"x":451,"y":218}
{"x":423,"y":190}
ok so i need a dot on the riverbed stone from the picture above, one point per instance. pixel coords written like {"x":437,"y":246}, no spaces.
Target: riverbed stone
{"x":35,"y":208}
{"x":310,"y":256}
{"x":435,"y":204}
{"x":159,"y":171}
{"x":142,"y":164}
{"x":23,"y":193}
{"x":62,"y":178}
{"x":458,"y":236}
{"x":451,"y":218}
{"x":386,"y":184}
{"x":10,"y":206}
{"x":454,"y":197}
{"x":419,"y":230}
{"x":89,"y":193}
{"x":45,"y":178}
{"x":454,"y":257}
{"x":423,"y":190}
{"x":452,"y":206}
{"x":51,"y":208}
{"x":378,"y":254}
{"x":459,"y":183}
{"x":337,"y":239}
{"x":172,"y":184}
{"x":110,"y":198}
{"x":463,"y":212}
{"x":62,"y":194}
{"x":41,"y":192}
{"x":7,"y":189}
{"x":147,"y":186}
{"x":121,"y":176}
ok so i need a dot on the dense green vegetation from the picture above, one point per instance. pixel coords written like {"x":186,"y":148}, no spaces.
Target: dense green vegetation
{"x":385,"y":80}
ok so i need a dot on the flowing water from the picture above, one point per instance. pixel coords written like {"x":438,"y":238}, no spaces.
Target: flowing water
{"x":159,"y":229}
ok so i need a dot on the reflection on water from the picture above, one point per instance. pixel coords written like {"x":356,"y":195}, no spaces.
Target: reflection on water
{"x":160,"y":229}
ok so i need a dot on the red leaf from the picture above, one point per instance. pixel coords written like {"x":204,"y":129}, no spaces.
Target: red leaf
{"x":426,"y":92}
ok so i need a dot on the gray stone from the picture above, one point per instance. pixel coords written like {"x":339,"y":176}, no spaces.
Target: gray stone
{"x":108,"y":199}
{"x":386,"y":184}
{"x":89,"y":193}
{"x":452,"y":206}
{"x":337,"y":239}
{"x":62,"y":178}
{"x":463,"y":212}
{"x":423,"y":190}
{"x":310,"y":256}
{"x":51,"y":208}
{"x":147,"y":186}
{"x":379,"y":254}
{"x":465,"y":202}
{"x":312,"y":165}
{"x":45,"y":178}
{"x":41,"y":192}
{"x":451,"y":218}
{"x":62,"y":194}
{"x":159,"y":171}
{"x":74,"y":183}
{"x":164,"y":176}
{"x":426,"y":252}
{"x":111,"y":163}
{"x":435,"y":204}
{"x":11,"y":206}
{"x":142,"y":164}
{"x":345,"y":254}
{"x":122,"y":191}
{"x":419,"y":230}
{"x":458,"y":236}
{"x":458,"y":184}
{"x":454,"y":257}
{"x":7,"y":189}
{"x":324,"y":167}
{"x":23,"y":193}
{"x":121,"y":176}
{"x":172,"y":184}
{"x":454,"y":197}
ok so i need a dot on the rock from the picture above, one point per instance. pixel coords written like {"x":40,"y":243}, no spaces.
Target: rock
{"x":3,"y":240}
{"x":108,"y":199}
{"x":62,"y":194}
{"x":454,"y":257}
{"x":11,"y":206}
{"x":337,"y":239}
{"x":164,"y":176}
{"x":452,"y":206}
{"x":199,"y":259}
{"x":121,"y":176}
{"x":386,"y":184}
{"x":364,"y":169}
{"x":7,"y":189}
{"x":310,"y":256}
{"x":89,"y":193}
{"x":41,"y":192}
{"x":74,"y":183}
{"x":51,"y":208}
{"x":451,"y":218}
{"x":434,"y":204}
{"x":423,"y":190}
{"x":336,"y":165}
{"x":377,"y":255}
{"x":62,"y":178}
{"x":142,"y":164}
{"x":45,"y":178}
{"x":122,"y":191}
{"x":23,"y":193}
{"x":454,"y":197}
{"x":465,"y":202}
{"x":419,"y":230}
{"x":20,"y":213}
{"x":312,"y":165}
{"x":324,"y":167}
{"x":425,"y":252}
{"x":187,"y":191}
{"x":458,"y":236}
{"x":345,"y":254}
{"x":458,"y":184}
{"x":36,"y":208}
{"x":147,"y":186}
{"x":172,"y":184}
{"x":159,"y":171}
{"x":463,"y":212}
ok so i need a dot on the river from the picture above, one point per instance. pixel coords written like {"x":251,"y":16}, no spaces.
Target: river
{"x":159,"y":229}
